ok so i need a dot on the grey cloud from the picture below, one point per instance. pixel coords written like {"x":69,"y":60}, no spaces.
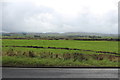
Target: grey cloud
{"x":26,"y":17}
{"x":14,"y":15}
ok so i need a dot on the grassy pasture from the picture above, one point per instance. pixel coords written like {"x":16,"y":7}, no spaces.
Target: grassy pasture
{"x":110,"y":46}
{"x":37,"y":57}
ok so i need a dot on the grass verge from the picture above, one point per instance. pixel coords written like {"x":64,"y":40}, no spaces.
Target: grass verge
{"x":14,"y":61}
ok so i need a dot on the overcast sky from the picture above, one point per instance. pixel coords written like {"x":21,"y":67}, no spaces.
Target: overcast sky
{"x":99,"y":16}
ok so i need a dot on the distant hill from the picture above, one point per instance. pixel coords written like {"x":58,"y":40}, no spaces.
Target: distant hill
{"x":65,"y":34}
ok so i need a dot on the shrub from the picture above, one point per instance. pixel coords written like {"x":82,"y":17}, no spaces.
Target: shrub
{"x":31,"y":54}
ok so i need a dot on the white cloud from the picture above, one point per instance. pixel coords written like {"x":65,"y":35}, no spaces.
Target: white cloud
{"x":60,"y":16}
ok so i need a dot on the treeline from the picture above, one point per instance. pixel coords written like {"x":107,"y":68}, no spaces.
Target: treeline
{"x":111,"y":39}
{"x":99,"y":39}
{"x":58,"y":37}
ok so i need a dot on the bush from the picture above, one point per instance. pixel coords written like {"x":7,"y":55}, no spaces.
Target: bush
{"x":31,"y":54}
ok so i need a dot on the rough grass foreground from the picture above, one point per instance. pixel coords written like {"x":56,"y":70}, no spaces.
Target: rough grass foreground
{"x":31,"y":59}
{"x":16,"y":61}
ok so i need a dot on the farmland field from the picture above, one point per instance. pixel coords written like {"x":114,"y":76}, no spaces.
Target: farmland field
{"x":110,"y":46}
{"x":62,"y":53}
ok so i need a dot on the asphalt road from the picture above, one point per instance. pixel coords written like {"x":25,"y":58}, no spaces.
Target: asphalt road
{"x":59,"y":73}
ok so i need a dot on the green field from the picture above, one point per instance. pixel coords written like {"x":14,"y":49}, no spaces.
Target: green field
{"x":110,"y":46}
{"x":37,"y":57}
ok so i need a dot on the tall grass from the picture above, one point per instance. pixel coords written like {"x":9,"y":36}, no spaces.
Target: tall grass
{"x":65,"y":56}
{"x":15,"y":61}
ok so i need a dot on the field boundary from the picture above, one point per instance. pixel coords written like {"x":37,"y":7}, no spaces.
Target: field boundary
{"x":64,"y":49}
{"x":65,"y":39}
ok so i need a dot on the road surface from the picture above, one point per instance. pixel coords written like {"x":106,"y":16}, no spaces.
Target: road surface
{"x":59,"y":73}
